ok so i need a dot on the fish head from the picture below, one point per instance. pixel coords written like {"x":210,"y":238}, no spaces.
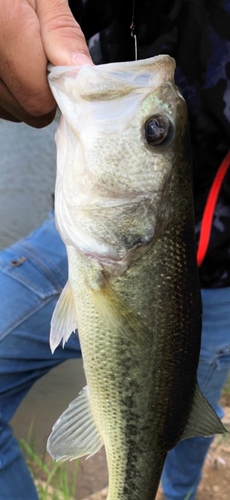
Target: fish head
{"x":119,"y":139}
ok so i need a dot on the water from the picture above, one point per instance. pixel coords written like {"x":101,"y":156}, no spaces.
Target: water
{"x":27,"y":173}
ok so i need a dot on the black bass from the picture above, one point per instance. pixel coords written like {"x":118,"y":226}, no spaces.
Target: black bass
{"x":124,"y":210}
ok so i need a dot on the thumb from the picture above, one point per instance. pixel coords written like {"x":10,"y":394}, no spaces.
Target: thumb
{"x":63,"y":41}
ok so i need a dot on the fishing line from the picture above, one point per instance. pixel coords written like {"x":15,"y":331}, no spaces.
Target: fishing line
{"x":133,"y":31}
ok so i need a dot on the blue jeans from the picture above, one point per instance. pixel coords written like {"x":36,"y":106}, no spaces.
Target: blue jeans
{"x":32,"y":275}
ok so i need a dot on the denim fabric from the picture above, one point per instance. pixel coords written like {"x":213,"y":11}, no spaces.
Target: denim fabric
{"x":32,"y":275}
{"x":182,"y":471}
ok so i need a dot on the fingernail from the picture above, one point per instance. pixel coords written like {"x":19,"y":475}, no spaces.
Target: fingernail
{"x":80,"y":59}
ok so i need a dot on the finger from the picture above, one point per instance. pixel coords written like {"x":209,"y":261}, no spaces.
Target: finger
{"x":11,"y":110}
{"x":23,"y":61}
{"x":64,"y":42}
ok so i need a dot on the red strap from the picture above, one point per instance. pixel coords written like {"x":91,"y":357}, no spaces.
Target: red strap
{"x":206,"y":224}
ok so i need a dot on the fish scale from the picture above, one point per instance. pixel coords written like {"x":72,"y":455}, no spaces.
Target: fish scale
{"x":125,"y":212}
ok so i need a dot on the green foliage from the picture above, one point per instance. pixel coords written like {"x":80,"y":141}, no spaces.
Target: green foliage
{"x":189,"y":494}
{"x":52,"y":479}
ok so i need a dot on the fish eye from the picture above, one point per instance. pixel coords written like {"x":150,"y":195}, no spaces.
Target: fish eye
{"x":158,"y":130}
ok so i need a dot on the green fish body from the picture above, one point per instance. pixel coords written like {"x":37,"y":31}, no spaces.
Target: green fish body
{"x":124,"y":210}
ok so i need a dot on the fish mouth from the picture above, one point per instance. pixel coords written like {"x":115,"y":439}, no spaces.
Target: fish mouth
{"x":143,"y":71}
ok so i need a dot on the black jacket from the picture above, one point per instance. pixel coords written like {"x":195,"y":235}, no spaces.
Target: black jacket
{"x":197,"y":34}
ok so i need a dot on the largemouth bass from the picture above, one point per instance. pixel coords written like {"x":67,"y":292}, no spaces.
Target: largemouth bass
{"x":124,"y":210}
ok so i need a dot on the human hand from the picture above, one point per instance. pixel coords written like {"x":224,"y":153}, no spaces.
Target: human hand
{"x":33,"y":32}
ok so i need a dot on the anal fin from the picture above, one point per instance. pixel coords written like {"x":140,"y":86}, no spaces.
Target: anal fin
{"x":203,"y":420}
{"x":75,"y":434}
{"x":63,"y":321}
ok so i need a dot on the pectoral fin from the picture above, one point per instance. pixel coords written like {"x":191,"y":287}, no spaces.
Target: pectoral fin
{"x":75,"y":434}
{"x":117,"y":314}
{"x":63,"y":321}
{"x":203,"y":420}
